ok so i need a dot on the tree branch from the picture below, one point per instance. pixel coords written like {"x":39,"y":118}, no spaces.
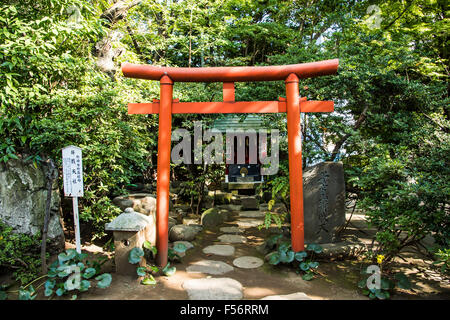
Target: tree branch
{"x":359,"y":122}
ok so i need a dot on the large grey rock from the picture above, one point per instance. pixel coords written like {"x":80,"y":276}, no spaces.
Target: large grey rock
{"x":181,"y":232}
{"x":249,"y":223}
{"x":324,"y":202}
{"x":209,"y":267}
{"x":249,"y":203}
{"x":23,"y":195}
{"x":232,"y":230}
{"x":213,"y":289}
{"x":144,"y":203}
{"x":212,"y":218}
{"x":252,"y":214}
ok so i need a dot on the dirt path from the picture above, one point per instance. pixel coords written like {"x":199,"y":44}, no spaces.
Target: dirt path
{"x":336,"y":279}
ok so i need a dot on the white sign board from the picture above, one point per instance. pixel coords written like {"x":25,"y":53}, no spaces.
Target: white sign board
{"x":72,"y":171}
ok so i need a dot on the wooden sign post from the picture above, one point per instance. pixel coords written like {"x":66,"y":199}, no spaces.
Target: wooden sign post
{"x":73,"y":183}
{"x":292,"y":105}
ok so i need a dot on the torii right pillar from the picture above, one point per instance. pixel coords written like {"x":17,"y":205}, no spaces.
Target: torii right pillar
{"x":295,"y":162}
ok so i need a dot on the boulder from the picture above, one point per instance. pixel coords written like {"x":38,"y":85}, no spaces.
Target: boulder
{"x":212,"y":218}
{"x":144,"y":203}
{"x":23,"y":195}
{"x":249,"y":203}
{"x":181,"y":232}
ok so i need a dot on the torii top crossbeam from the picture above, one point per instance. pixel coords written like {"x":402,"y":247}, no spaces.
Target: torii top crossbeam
{"x":292,"y":105}
{"x":231,"y":74}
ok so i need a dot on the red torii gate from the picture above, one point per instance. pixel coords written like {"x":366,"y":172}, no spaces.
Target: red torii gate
{"x":292,"y":105}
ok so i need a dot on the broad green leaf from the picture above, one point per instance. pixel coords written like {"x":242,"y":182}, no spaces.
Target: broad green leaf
{"x":89,"y":273}
{"x":169,"y":271}
{"x":135,"y":255}
{"x":313,"y":264}
{"x":403,"y":281}
{"x":141,"y":271}
{"x":69,"y":254}
{"x":60,"y":292}
{"x":299,"y":256}
{"x":274,"y":258}
{"x":49,"y":284}
{"x":104,"y":280}
{"x":308,"y":276}
{"x":148,"y":245}
{"x":48,"y":292}
{"x":381,"y":295}
{"x":149,"y":280}
{"x":84,"y":285}
{"x":179,"y":247}
{"x":287,"y":256}
{"x":304,"y":266}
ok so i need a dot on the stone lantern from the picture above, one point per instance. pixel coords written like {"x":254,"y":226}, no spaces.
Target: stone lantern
{"x":130,"y":229}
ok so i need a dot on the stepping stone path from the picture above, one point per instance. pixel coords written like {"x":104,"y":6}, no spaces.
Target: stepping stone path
{"x":232,"y":238}
{"x":248,"y":262}
{"x":292,"y":296}
{"x":227,"y":288}
{"x":209,"y":267}
{"x":213,"y":289}
{"x":252,"y":214}
{"x":220,"y":250}
{"x":232,"y":230}
{"x":249,"y":223}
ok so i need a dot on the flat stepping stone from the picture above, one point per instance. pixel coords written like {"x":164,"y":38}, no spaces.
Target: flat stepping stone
{"x":248,"y":262}
{"x":220,"y":250}
{"x":232,"y":238}
{"x":213,"y":289}
{"x":292,"y":296}
{"x":249,"y":223}
{"x":233,"y":230}
{"x":252,"y":214}
{"x":209,"y":267}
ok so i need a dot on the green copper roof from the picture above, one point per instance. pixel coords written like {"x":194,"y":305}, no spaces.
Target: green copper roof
{"x":235,"y":122}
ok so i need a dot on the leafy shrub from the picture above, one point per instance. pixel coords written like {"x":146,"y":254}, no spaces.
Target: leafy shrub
{"x":73,"y":272}
{"x":442,"y":259}
{"x":137,"y":254}
{"x":388,"y":282}
{"x":20,"y":252}
{"x":303,"y":259}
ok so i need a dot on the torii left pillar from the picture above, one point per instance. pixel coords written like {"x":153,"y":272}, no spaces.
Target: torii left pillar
{"x":163,"y":169}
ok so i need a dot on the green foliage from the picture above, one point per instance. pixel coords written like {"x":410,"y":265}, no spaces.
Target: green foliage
{"x":303,"y":261}
{"x":20,"y":253}
{"x":270,"y":216}
{"x":388,"y":283}
{"x":442,"y":260}
{"x":74,"y":272}
{"x":148,"y":252}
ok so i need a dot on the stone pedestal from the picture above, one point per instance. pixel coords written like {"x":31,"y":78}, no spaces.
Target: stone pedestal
{"x":130,"y":230}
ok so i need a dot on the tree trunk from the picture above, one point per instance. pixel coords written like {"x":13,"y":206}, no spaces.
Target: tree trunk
{"x":50,"y":179}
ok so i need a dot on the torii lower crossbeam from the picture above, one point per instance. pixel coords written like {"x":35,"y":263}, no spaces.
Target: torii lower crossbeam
{"x":292,"y":105}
